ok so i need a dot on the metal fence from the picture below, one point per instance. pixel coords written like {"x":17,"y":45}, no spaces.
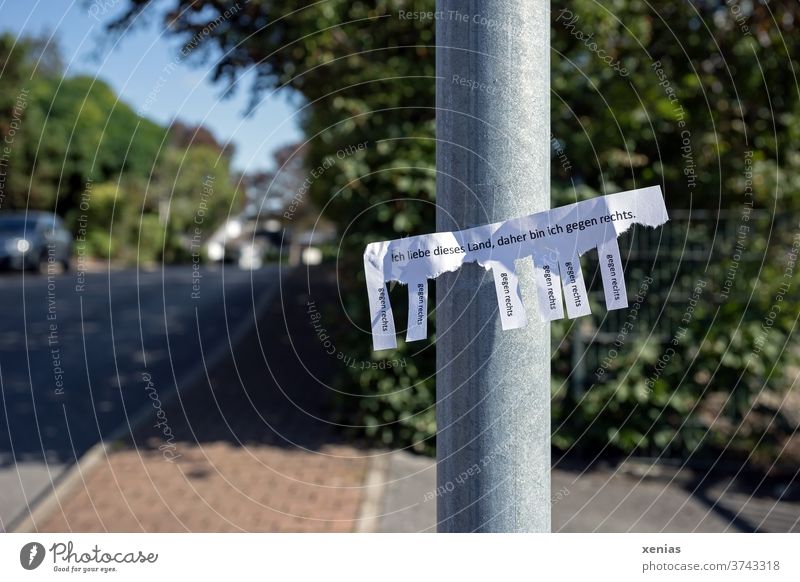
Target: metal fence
{"x":662,"y":267}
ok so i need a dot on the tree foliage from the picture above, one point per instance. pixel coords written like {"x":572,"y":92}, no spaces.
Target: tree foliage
{"x":679,"y":94}
{"x":71,"y":140}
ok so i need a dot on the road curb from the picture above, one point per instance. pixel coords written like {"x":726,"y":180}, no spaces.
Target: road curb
{"x":374,"y":491}
{"x":65,"y":483}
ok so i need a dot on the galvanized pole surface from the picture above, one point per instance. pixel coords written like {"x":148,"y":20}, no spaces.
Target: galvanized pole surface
{"x":492,"y":160}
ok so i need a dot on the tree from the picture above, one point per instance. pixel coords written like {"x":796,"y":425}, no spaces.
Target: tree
{"x":192,"y":187}
{"x":66,"y":132}
{"x":680,"y":94}
{"x":75,"y":148}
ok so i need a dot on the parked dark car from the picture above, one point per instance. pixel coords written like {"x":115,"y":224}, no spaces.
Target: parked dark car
{"x":33,"y":240}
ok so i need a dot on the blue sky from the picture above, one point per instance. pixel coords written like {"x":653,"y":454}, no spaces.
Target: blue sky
{"x":139,"y":65}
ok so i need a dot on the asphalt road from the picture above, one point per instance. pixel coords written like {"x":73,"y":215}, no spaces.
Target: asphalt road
{"x":76,"y":363}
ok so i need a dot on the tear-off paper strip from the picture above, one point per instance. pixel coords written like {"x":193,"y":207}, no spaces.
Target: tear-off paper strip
{"x":506,"y":285}
{"x":554,"y":240}
{"x":417,"y":310}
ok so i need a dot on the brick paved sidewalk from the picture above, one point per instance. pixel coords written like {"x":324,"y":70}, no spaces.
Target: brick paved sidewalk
{"x":248,"y":455}
{"x":217,"y":487}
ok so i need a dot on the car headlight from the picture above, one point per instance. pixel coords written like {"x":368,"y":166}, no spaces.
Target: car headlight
{"x":216,"y":252}
{"x":17,"y":245}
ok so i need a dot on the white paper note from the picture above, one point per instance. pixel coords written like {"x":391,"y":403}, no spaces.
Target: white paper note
{"x":555,"y":239}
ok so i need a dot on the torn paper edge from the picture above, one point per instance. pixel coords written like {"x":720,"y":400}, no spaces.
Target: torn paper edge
{"x":476,"y":245}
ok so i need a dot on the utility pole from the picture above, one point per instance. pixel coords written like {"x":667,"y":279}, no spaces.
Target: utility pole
{"x":493,"y":163}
